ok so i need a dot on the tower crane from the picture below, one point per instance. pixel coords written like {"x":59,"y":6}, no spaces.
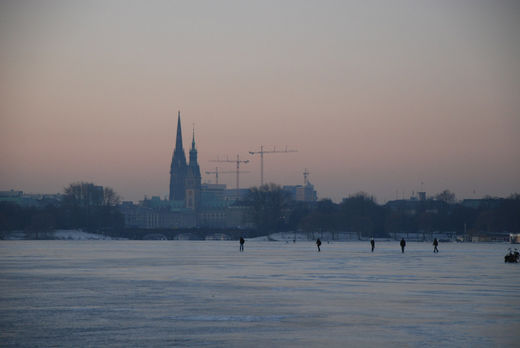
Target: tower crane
{"x":262,"y":152}
{"x":217,"y":172}
{"x":237,"y":161}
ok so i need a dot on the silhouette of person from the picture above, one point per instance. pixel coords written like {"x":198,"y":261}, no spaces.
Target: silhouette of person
{"x":435,"y":244}
{"x":372,"y":244}
{"x":242,"y":241}
{"x":403,"y":244}
{"x":318,"y":243}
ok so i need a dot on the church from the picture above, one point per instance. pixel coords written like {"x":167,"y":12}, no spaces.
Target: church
{"x":185,"y":179}
{"x":190,"y":203}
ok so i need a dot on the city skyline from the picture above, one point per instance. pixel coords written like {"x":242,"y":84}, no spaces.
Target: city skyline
{"x":375,"y":97}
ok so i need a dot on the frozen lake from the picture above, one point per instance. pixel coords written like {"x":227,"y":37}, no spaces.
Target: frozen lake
{"x":187,"y":293}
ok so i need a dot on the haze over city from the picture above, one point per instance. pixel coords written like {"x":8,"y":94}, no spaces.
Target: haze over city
{"x":382,"y":97}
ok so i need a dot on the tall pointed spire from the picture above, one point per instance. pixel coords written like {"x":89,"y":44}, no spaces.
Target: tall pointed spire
{"x":178,"y":167}
{"x":193,"y":178}
{"x":193,"y":139}
{"x":178,"y":142}
{"x":193,"y":155}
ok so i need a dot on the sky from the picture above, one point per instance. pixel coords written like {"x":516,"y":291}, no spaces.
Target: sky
{"x":385,"y":97}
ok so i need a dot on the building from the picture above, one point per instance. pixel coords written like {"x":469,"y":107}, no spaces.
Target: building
{"x":192,"y":180}
{"x":30,"y":199}
{"x":151,"y":214}
{"x":185,"y":178}
{"x":302,"y":193}
{"x":193,"y":204}
{"x":190,"y":204}
{"x":482,"y":203}
{"x":178,"y":168}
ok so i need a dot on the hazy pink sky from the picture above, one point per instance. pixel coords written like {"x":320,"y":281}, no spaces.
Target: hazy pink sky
{"x":376,"y":96}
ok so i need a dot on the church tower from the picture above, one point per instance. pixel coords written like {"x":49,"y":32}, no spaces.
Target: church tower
{"x":178,"y":169}
{"x":193,"y":178}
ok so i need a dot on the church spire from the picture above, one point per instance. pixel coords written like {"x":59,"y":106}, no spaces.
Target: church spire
{"x":193,"y":139}
{"x":193,"y":153}
{"x":193,"y":178}
{"x":194,"y":165}
{"x":178,"y":167}
{"x":178,"y":142}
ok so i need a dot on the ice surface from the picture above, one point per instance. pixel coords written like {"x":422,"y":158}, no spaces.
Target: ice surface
{"x":207,"y":293}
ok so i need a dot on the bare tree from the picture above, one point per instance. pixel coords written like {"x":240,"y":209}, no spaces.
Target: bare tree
{"x":91,"y":206}
{"x":267,"y":206}
{"x":110,"y":197}
{"x":446,"y":196}
{"x":86,"y":194}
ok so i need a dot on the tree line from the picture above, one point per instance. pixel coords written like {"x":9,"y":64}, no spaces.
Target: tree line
{"x":84,"y":206}
{"x":95,"y":208}
{"x":271,"y":210}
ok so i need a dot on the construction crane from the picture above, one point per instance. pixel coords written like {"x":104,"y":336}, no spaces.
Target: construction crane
{"x":237,"y":161}
{"x":262,"y":152}
{"x":217,"y":172}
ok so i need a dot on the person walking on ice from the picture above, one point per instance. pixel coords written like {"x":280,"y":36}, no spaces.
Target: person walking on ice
{"x":372,"y":243}
{"x":403,"y":244}
{"x":435,"y":245}
{"x":242,"y":241}
{"x":318,"y":243}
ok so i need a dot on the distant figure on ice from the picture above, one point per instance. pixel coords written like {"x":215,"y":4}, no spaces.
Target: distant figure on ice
{"x":372,"y":243}
{"x":318,"y":243}
{"x":242,"y":241}
{"x":403,"y":244}
{"x":435,"y":245}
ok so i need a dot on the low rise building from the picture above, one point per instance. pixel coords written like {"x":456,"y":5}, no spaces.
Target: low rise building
{"x":30,"y":199}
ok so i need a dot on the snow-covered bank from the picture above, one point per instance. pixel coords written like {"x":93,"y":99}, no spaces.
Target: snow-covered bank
{"x":57,"y":235}
{"x":78,"y":235}
{"x":282,"y":237}
{"x":301,"y":236}
{"x":352,"y":237}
